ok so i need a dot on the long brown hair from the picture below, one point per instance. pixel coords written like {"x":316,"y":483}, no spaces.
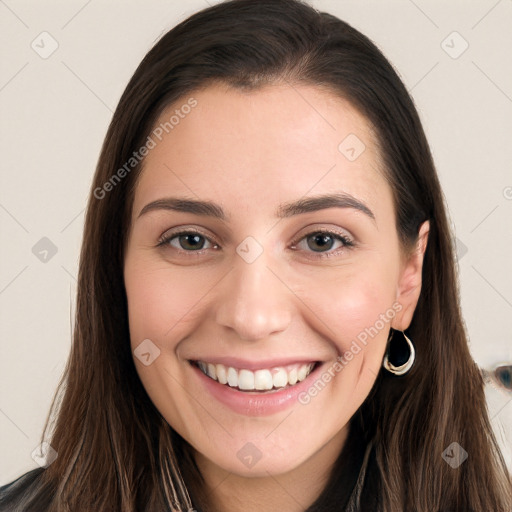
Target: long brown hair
{"x":115,"y":450}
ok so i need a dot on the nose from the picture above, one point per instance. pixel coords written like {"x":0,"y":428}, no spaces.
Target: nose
{"x":254,"y":300}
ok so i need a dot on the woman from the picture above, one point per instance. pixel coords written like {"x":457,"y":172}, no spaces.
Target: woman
{"x":225,"y":356}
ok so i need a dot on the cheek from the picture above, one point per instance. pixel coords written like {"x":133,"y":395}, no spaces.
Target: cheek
{"x":364,"y":318}
{"x":161,"y":308}
{"x":357,"y":306}
{"x":353,"y":300}
{"x":360,"y":308}
{"x":161,"y":303}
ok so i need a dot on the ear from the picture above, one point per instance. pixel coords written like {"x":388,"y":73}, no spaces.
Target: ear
{"x":409,"y":283}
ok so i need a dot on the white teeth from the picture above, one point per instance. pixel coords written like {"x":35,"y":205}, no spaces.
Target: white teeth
{"x":232,"y":377}
{"x":221,"y":374}
{"x":245,"y":379}
{"x":261,"y":380}
{"x":280,"y":378}
{"x":292,"y":377}
{"x":302,"y":373}
{"x":211,"y":371}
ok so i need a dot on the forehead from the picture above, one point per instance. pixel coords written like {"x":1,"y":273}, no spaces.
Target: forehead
{"x":262,"y":147}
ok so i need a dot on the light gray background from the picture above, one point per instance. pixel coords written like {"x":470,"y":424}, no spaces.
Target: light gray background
{"x":55,"y":112}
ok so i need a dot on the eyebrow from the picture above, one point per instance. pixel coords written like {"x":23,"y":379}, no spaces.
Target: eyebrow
{"x":299,"y":207}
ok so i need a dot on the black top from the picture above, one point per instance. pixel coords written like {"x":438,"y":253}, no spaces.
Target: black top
{"x":13,"y":496}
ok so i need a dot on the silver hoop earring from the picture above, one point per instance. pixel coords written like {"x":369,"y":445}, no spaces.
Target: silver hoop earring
{"x":403,"y":368}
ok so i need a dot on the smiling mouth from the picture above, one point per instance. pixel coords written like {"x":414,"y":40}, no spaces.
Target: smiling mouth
{"x":265,"y":380}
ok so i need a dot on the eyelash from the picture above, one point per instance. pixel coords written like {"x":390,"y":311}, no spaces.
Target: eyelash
{"x":347,"y":242}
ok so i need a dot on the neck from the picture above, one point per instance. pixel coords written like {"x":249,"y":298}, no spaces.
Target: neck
{"x":293,"y":491}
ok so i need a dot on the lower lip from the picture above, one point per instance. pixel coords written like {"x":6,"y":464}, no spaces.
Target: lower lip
{"x":255,"y":404}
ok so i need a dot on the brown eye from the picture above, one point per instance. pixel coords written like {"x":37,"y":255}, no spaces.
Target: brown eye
{"x":323,"y":242}
{"x":190,"y":241}
{"x":185,"y":241}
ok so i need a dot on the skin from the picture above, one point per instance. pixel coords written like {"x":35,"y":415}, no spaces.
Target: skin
{"x":249,"y":152}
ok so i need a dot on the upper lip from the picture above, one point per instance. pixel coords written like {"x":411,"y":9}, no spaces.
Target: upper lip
{"x":256,"y":365}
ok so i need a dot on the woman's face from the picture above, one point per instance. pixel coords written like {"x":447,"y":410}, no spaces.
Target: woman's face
{"x":249,"y":288}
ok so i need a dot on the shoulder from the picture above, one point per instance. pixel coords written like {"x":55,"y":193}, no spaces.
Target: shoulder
{"x":16,"y":496}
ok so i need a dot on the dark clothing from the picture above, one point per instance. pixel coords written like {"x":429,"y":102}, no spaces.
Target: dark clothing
{"x":13,"y":496}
